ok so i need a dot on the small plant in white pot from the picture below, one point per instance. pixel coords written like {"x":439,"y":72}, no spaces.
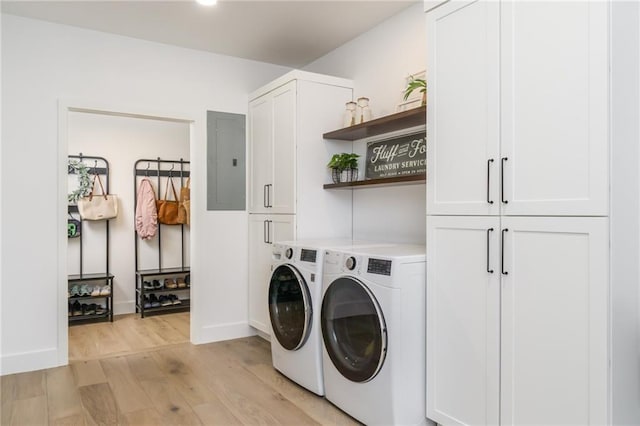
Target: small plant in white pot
{"x":344,"y":167}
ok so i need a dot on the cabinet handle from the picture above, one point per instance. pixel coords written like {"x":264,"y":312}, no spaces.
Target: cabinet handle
{"x":489,"y":161}
{"x":269,"y":186}
{"x":502,"y":255}
{"x":269,"y":240}
{"x":264,"y":196}
{"x":265,"y":230}
{"x":489,"y":270}
{"x":502,"y":180}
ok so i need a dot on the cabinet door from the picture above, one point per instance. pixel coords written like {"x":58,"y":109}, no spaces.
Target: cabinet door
{"x":555,"y":107}
{"x":463,"y":117}
{"x":463,"y":320}
{"x":554,"y":321}
{"x":282,"y":191}
{"x":260,"y":152}
{"x":264,"y":230}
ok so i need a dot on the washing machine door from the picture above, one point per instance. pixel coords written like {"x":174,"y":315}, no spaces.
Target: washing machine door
{"x":289,"y":307}
{"x":353,"y":329}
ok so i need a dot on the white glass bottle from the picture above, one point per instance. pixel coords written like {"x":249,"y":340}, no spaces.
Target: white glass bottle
{"x":350,"y":114}
{"x":364,"y":112}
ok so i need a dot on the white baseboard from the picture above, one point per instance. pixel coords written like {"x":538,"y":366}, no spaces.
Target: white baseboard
{"x":219,"y":332}
{"x":29,"y":361}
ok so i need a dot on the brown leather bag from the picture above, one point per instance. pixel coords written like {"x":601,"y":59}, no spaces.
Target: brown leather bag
{"x":168,"y":210}
{"x":184,"y":209}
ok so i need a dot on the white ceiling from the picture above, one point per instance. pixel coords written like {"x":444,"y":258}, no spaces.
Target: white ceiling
{"x":290,"y":33}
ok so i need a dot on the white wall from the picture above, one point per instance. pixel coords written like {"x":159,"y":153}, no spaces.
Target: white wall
{"x":43,"y":63}
{"x":123,"y":140}
{"x":378,"y":62}
{"x":625,"y":212}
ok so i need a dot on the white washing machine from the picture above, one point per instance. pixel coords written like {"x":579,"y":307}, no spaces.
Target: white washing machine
{"x":295,"y":295}
{"x":373,"y":332}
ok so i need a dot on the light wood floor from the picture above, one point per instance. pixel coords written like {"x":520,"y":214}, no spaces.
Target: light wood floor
{"x":127,"y":334}
{"x":122,"y":380}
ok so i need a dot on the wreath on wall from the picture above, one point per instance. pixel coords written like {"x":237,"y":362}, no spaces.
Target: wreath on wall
{"x":84,"y":180}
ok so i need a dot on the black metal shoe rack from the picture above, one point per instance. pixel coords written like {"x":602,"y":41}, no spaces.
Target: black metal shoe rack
{"x":160,"y":168}
{"x":102,"y":278}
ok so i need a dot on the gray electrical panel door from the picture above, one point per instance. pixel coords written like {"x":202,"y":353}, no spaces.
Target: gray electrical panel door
{"x":226,"y":162}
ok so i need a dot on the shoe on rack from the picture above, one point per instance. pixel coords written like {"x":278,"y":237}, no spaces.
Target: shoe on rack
{"x":165,"y":301}
{"x":146,"y":303}
{"x":100,"y":310}
{"x":147,"y":285}
{"x":181,"y":283}
{"x":85,"y":290}
{"x":75,"y":291}
{"x":105,"y":290}
{"x":157,"y":284}
{"x":84,"y":308}
{"x":155,"y":303}
{"x":90,"y":309}
{"x":174,"y":299}
{"x":76,"y":309}
{"x":187,"y":279}
{"x":96,"y":291}
{"x":170,"y":283}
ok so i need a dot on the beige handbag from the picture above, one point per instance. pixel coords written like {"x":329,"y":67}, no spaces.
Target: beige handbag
{"x":98,"y":207}
{"x":184,"y":210}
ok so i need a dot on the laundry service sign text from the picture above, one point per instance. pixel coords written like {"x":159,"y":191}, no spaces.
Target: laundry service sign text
{"x":401,"y":156}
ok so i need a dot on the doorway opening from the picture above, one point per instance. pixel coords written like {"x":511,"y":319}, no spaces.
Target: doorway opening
{"x":121,"y":139}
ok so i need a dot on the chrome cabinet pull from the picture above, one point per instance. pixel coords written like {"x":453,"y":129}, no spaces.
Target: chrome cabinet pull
{"x":269,"y":188}
{"x":265,"y":231}
{"x":489,"y":270}
{"x":269,"y":232}
{"x":502,"y":255}
{"x":502,"y":180}
{"x":489,"y":161}
{"x":265,"y":192}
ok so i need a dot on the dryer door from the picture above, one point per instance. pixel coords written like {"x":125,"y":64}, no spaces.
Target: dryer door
{"x":353,"y":329}
{"x":289,"y":307}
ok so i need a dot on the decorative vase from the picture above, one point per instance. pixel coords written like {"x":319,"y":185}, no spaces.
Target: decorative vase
{"x":364,"y":112}
{"x":350,"y":114}
{"x":349,"y":175}
{"x":336,"y":175}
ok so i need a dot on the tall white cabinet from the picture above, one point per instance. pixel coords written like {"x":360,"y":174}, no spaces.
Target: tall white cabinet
{"x":287,"y":168}
{"x":517,"y":213}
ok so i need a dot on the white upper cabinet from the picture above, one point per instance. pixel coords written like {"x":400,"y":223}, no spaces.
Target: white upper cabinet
{"x":517,"y":117}
{"x":261,"y":148}
{"x":555,"y":107}
{"x":463,"y":115}
{"x":272,"y":135}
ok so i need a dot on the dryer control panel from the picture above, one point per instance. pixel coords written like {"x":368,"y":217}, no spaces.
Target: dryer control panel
{"x":379,"y":266}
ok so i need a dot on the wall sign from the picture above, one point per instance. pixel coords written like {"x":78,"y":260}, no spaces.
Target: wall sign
{"x":405,"y":155}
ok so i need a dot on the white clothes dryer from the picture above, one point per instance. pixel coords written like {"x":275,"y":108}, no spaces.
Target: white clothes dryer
{"x":373,"y":332}
{"x":294,"y":297}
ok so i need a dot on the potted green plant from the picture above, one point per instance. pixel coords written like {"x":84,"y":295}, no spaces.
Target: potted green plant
{"x":416,"y":84}
{"x":344,"y":167}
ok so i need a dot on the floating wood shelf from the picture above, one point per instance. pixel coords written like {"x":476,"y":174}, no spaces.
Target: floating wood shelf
{"x":391,"y":181}
{"x":390,"y":123}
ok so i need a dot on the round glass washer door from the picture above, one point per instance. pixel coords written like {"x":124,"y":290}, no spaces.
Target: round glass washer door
{"x":353,"y":329}
{"x":290,"y":308}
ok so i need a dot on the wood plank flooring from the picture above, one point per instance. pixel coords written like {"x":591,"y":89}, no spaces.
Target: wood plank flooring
{"x":146,"y":372}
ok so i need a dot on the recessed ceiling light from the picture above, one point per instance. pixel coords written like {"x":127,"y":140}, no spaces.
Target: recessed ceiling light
{"x":207,"y":2}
